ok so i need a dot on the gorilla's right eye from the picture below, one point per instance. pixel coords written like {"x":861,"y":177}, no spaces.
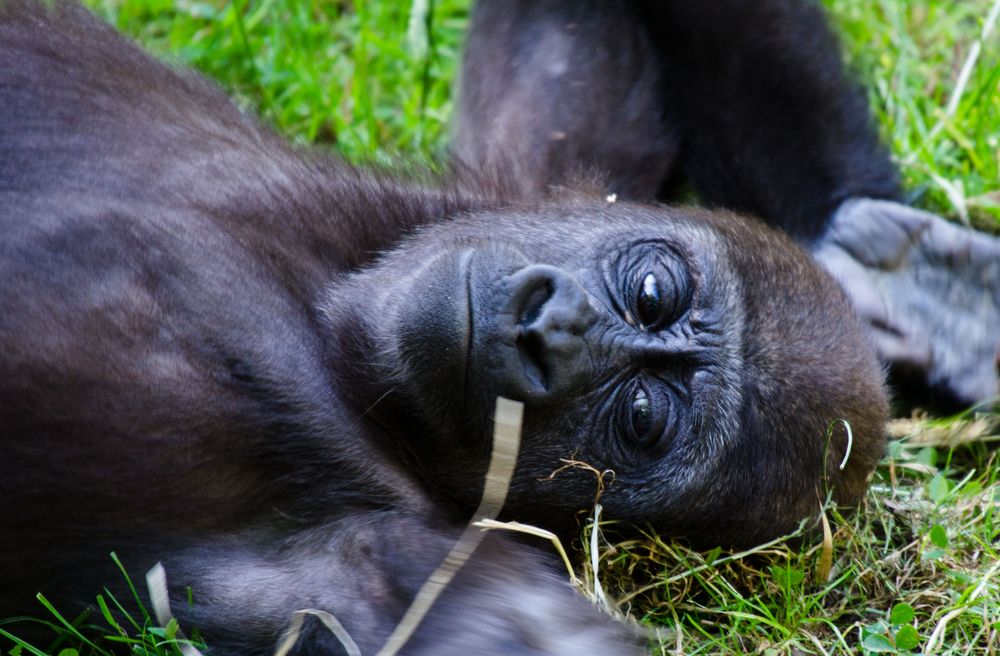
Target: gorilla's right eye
{"x":646,"y":421}
{"x":650,"y":285}
{"x":650,"y":302}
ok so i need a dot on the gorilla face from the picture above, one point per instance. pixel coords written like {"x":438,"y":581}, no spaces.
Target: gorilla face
{"x":642,"y":341}
{"x":637,"y":327}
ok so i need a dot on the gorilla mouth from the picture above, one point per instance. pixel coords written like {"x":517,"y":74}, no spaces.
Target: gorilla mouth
{"x":530,"y":352}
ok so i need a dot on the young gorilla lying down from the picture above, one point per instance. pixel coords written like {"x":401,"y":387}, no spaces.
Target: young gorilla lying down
{"x":276,"y":373}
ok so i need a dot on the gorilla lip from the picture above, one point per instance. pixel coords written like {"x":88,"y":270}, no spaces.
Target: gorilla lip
{"x":465,"y":276}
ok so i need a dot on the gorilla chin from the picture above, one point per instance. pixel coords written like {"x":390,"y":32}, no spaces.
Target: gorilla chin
{"x":669,"y":346}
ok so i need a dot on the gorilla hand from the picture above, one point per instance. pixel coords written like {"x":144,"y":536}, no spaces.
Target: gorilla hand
{"x":929,"y":290}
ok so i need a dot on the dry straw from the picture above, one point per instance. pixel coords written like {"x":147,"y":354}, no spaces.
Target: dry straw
{"x":506,"y":444}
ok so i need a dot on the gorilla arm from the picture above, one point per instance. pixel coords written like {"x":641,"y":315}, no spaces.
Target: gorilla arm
{"x":773,"y":125}
{"x":364,"y":570}
{"x":751,"y":99}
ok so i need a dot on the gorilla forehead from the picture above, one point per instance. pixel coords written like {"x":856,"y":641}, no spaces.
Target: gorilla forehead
{"x":573,"y":229}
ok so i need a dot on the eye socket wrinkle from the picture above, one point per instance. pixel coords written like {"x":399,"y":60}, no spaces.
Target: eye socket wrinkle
{"x":649,"y":285}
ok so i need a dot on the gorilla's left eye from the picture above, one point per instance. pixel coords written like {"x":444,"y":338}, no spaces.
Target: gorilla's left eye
{"x":650,"y":285}
{"x":661,"y":296}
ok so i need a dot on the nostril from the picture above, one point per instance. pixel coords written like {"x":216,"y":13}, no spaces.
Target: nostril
{"x":549,"y":313}
{"x":535,"y":301}
{"x":531,"y":352}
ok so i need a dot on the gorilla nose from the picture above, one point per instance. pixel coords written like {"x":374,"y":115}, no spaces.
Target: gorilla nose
{"x":551,"y":314}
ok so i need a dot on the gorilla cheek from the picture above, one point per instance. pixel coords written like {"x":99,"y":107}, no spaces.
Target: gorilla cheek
{"x":432,"y":324}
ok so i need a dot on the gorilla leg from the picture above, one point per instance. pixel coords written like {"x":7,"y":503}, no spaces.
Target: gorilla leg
{"x":750,"y":96}
{"x":558,"y":90}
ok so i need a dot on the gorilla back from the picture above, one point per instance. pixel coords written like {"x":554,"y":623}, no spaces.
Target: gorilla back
{"x":275,"y":373}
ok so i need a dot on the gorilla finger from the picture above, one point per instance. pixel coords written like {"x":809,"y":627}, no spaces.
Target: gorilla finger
{"x":868,"y":301}
{"x":959,"y":246}
{"x":909,"y":350}
{"x":857,"y":283}
{"x":877,"y":233}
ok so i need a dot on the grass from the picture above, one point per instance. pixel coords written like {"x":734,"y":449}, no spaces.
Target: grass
{"x":123,"y":625}
{"x":911,"y":55}
{"x":918,"y":568}
{"x":372,"y":79}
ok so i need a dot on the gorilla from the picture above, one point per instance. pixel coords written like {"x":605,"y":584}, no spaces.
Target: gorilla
{"x":275,"y":373}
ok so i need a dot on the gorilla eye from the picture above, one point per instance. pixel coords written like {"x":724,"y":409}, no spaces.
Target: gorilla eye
{"x":662,"y":295}
{"x":649,"y":284}
{"x":650,"y":303}
{"x":644,"y":425}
